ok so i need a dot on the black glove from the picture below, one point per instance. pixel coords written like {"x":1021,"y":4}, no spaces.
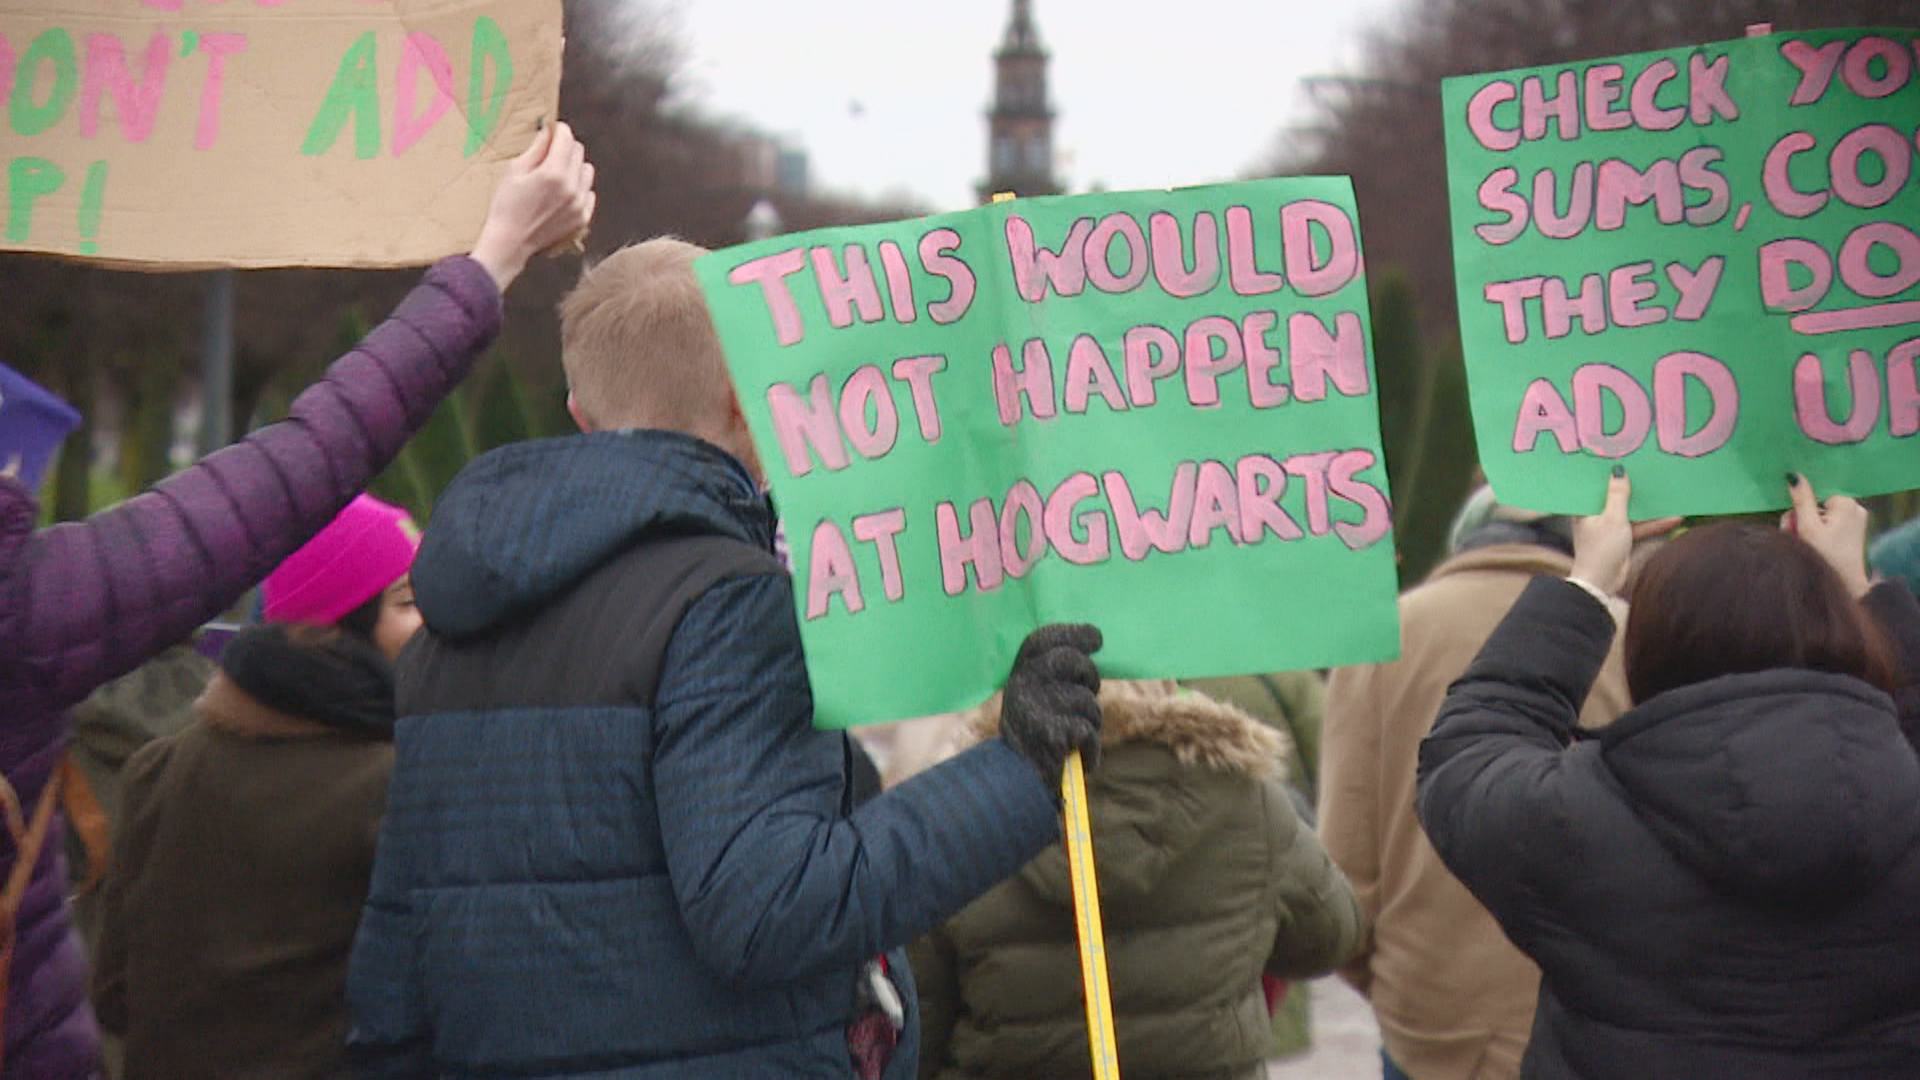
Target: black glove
{"x":1051,"y":707}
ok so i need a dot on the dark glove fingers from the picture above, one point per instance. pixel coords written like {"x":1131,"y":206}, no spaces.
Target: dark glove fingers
{"x":1077,"y":636}
{"x":1067,"y":665}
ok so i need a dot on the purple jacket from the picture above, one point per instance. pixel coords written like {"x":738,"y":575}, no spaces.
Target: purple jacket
{"x":84,"y":603}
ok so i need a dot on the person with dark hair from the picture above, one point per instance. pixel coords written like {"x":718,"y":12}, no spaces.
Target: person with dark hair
{"x":245,"y":842}
{"x":1723,"y":882}
{"x":1453,"y":997}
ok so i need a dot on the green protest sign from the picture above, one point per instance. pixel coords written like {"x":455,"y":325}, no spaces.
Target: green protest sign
{"x":1701,"y":262}
{"x":1153,"y":411}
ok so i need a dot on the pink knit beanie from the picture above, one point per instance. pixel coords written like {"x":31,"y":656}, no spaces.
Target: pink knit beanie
{"x":351,"y":561}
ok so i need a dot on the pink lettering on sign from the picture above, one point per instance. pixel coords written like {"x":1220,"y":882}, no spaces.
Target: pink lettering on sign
{"x":1778,"y":258}
{"x":936,"y":258}
{"x":1670,"y":377}
{"x":217,"y":47}
{"x":1033,"y":380}
{"x":1546,"y":203}
{"x":1320,"y":355}
{"x":1260,"y":484}
{"x":1544,"y":412}
{"x":1512,"y":296}
{"x":918,"y":372}
{"x":1777,"y":181}
{"x":831,"y":572}
{"x":1696,"y":286}
{"x":1644,"y":100}
{"x":1562,"y":110}
{"x":1629,"y":287}
{"x":1243,"y":269}
{"x":1119,"y":226}
{"x":1152,"y":354}
{"x":137,"y":103}
{"x":1480,"y":116}
{"x":1311,"y":274}
{"x":867,"y":392}
{"x":1312,"y":469}
{"x":1558,"y":310}
{"x":978,"y":548}
{"x":1170,"y":264}
{"x":899,"y":282}
{"x":1036,"y":269}
{"x":1376,"y":517}
{"x":1088,"y":374}
{"x":1812,"y":409}
{"x":1896,"y":164}
{"x":1857,"y":69}
{"x":1023,"y":506}
{"x":1856,"y":259}
{"x":771,"y":272}
{"x":1621,"y":185}
{"x":1815,"y":65}
{"x":880,"y":530}
{"x":1142,"y":531}
{"x":1603,"y":89}
{"x":420,"y":52}
{"x":1707,"y":97}
{"x":1213,"y":349}
{"x":1262,"y":359}
{"x":1903,"y":389}
{"x":844,"y":293}
{"x":806,"y":429}
{"x":1080,"y":538}
{"x":1215,"y":505}
{"x":1591,"y":384}
{"x":1497,"y":195}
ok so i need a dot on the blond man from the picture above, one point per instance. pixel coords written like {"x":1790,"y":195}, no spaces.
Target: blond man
{"x":615,"y":844}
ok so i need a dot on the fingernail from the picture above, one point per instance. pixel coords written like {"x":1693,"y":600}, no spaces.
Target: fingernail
{"x":1793,"y":479}
{"x":1619,"y":471}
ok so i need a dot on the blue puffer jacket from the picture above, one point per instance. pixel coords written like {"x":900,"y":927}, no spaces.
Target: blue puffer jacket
{"x":615,"y":846}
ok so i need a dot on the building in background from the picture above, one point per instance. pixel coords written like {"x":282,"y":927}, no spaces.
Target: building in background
{"x":1020,"y":124}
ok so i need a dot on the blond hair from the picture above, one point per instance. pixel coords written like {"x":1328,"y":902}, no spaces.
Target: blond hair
{"x":639,"y":347}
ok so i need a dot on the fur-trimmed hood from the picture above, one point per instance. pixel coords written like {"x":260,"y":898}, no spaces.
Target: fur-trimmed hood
{"x":1175,"y":765}
{"x":1196,"y":728}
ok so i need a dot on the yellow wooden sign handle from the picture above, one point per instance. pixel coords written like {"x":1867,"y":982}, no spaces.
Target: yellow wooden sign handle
{"x":1086,"y":907}
{"x":1078,"y":830}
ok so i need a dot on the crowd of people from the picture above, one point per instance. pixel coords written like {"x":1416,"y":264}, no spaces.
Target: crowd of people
{"x":537,"y":793}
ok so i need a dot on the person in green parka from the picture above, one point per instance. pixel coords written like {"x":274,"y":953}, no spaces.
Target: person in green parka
{"x":1208,"y":879}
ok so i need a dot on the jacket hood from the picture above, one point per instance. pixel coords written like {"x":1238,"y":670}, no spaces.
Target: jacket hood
{"x":1780,"y":788}
{"x":1150,"y":809}
{"x":522,"y":524}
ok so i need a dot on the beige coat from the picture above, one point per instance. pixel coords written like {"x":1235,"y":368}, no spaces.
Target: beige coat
{"x":1454,"y":997}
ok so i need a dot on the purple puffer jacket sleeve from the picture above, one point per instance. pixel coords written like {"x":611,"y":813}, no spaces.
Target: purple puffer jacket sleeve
{"x":86,"y":602}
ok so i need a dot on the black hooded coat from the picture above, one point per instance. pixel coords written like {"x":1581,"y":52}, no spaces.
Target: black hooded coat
{"x":1723,"y":883}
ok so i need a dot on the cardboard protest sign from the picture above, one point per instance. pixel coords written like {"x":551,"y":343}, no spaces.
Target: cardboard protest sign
{"x":1702,"y":262}
{"x":1153,"y":411}
{"x":181,"y":133}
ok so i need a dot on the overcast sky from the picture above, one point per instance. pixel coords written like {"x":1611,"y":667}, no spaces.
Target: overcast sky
{"x":888,"y":96}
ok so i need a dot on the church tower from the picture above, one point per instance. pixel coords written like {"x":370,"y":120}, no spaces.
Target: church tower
{"x":1020,"y":125}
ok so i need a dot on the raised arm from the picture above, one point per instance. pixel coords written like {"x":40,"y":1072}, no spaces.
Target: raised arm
{"x":1489,"y":779}
{"x":772,"y":882}
{"x":84,"y":602}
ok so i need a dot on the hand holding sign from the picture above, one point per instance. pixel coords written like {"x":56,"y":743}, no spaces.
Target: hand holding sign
{"x":546,"y":198}
{"x":1837,"y":529}
{"x":1051,"y":707}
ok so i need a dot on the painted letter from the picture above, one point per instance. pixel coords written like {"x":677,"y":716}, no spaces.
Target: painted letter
{"x":1812,"y":410}
{"x":803,"y":427}
{"x":138,"y":104}
{"x":831,"y":572}
{"x":770,"y":272}
{"x":1312,"y":276}
{"x":1035,"y":268}
{"x":1670,"y":375}
{"x":1033,"y":380}
{"x":879,"y":530}
{"x":980,"y":549}
{"x":355,"y":96}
